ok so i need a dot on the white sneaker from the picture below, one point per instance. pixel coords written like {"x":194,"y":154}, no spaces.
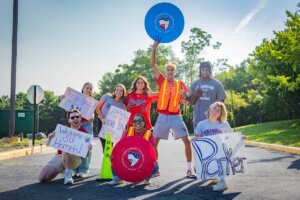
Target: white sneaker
{"x":82,"y":175}
{"x":222,"y":185}
{"x":68,"y":178}
{"x":147,"y":182}
{"x":113,"y":182}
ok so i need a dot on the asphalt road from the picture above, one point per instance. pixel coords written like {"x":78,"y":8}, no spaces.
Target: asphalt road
{"x":270,"y":175}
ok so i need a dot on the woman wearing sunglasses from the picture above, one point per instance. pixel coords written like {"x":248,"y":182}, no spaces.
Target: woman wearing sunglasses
{"x":138,"y":129}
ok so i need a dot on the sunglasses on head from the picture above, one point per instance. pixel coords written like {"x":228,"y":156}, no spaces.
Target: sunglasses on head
{"x":137,"y":121}
{"x":76,"y":116}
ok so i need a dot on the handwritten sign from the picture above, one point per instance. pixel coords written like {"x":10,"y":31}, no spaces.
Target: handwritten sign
{"x":71,"y":141}
{"x":76,"y":100}
{"x":219,"y":155}
{"x":116,"y":121}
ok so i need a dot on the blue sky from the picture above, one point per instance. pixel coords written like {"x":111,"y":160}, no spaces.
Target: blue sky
{"x":65,"y":43}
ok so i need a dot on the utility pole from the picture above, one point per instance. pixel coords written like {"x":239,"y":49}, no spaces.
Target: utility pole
{"x":13,"y":70}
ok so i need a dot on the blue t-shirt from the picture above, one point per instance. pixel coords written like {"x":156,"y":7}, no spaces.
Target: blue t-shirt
{"x":108,"y":101}
{"x":206,"y":128}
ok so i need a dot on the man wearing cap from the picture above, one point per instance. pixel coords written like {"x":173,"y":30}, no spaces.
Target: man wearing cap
{"x":204,"y":91}
{"x":171,"y":93}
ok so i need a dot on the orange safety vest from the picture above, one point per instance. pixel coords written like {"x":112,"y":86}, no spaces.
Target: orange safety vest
{"x":169,"y":100}
{"x":146,"y":135}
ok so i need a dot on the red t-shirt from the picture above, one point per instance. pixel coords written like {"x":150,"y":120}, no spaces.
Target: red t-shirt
{"x":159,"y":81}
{"x":139,"y":103}
{"x":80,"y":129}
{"x":151,"y":139}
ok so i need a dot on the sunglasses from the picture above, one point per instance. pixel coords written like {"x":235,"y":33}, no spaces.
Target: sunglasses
{"x":73,"y":117}
{"x":137,"y":121}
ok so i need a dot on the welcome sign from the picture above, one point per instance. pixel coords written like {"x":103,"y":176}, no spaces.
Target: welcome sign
{"x":116,"y":121}
{"x":71,"y":141}
{"x":219,"y":155}
{"x":76,"y":100}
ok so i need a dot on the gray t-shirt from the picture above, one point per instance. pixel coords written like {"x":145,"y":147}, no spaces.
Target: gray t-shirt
{"x":212,"y":91}
{"x":108,"y":101}
{"x":206,"y":128}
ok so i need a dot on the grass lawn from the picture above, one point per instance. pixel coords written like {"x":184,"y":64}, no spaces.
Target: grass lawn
{"x":15,"y":145}
{"x":280,"y":132}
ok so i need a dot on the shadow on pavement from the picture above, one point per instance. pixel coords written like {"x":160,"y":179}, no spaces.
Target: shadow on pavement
{"x":295,"y":165}
{"x":90,"y":189}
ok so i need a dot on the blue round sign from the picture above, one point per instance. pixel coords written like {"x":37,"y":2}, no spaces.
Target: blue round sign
{"x":164,"y":22}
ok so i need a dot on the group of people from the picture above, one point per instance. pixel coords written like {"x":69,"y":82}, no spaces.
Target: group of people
{"x":209,"y":117}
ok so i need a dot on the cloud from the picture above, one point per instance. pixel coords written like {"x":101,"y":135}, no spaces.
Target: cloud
{"x":245,"y":21}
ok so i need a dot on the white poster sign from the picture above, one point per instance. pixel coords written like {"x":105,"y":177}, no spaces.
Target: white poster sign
{"x":219,"y":155}
{"x":116,"y":121}
{"x":76,"y":100}
{"x":71,"y":141}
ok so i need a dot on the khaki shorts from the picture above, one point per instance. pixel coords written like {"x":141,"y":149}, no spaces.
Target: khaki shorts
{"x":57,"y":162}
{"x":165,"y":123}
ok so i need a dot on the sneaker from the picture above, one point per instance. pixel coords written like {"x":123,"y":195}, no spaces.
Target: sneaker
{"x":113,"y":182}
{"x":147,"y":182}
{"x":82,"y":175}
{"x":156,"y":174}
{"x":68,"y":178}
{"x":222,"y":185}
{"x":190,"y":174}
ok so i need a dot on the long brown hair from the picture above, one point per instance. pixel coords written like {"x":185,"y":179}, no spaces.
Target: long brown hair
{"x":146,"y":88}
{"x":124,"y":91}
{"x":87,"y":83}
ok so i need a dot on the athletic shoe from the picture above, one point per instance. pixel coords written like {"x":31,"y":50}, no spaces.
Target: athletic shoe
{"x":190,"y":174}
{"x":156,"y":174}
{"x":147,"y":182}
{"x":222,"y":185}
{"x":113,"y":182}
{"x":82,"y":175}
{"x":68,"y":178}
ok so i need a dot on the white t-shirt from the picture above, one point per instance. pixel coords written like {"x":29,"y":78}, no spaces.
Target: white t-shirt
{"x":206,"y":128}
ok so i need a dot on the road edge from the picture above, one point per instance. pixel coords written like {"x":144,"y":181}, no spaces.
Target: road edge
{"x":277,"y":147}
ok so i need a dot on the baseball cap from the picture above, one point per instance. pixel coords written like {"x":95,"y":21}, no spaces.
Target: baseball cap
{"x":205,"y":64}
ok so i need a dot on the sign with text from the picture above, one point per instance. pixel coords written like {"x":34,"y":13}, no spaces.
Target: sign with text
{"x":219,"y":155}
{"x":116,"y":121}
{"x":71,"y":141}
{"x":76,"y":100}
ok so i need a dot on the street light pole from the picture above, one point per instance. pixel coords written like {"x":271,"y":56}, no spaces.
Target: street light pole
{"x":13,"y":70}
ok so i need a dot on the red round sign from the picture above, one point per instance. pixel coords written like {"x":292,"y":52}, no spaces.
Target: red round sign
{"x":133,"y":159}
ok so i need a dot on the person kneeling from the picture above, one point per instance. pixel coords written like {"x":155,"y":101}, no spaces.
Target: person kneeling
{"x":63,"y":161}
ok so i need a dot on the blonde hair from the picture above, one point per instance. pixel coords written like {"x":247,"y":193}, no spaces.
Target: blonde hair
{"x":170,"y":65}
{"x":223,"y":116}
{"x":146,"y":88}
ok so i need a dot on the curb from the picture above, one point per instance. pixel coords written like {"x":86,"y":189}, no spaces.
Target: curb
{"x":24,"y":152}
{"x":291,"y":150}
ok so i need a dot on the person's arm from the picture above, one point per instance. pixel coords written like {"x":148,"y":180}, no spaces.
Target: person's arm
{"x":154,"y":66}
{"x":153,"y":94}
{"x":50,"y":136}
{"x":183,"y":93}
{"x":98,"y":111}
{"x":195,"y":95}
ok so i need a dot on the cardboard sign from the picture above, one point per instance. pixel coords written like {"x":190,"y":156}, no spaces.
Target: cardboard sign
{"x":219,"y":155}
{"x":71,"y":141}
{"x":116,"y":121}
{"x":76,"y":100}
